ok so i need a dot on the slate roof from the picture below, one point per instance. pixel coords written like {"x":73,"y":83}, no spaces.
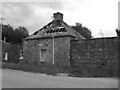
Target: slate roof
{"x":55,"y":28}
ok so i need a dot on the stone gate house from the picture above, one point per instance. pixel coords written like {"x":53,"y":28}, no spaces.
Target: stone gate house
{"x":51,"y":44}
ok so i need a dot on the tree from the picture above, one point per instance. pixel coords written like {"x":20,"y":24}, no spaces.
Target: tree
{"x":20,"y":34}
{"x":8,"y":33}
{"x":118,"y":32}
{"x":14,"y":36}
{"x":84,"y":31}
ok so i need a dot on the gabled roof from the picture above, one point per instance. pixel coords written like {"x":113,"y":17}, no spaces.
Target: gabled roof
{"x":55,"y":28}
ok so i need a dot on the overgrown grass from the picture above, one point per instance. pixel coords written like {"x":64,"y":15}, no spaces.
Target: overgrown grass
{"x":46,"y":69}
{"x":53,"y":70}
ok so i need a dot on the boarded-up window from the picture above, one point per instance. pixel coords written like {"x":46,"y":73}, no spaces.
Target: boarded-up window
{"x":43,"y":55}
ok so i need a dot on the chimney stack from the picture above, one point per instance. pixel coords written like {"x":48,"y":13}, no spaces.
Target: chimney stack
{"x":58,"y":16}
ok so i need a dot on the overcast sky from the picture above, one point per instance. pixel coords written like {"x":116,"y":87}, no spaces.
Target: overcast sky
{"x":33,"y":14}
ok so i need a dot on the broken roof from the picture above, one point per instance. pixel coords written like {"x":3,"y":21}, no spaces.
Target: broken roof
{"x":55,"y":28}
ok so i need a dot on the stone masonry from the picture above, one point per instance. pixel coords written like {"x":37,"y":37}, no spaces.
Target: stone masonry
{"x":61,"y":50}
{"x":51,"y":44}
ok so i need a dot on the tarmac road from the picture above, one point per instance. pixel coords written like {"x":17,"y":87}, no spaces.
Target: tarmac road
{"x":19,"y":79}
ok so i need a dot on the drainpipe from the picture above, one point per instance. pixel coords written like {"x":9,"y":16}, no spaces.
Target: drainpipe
{"x":53,"y":50}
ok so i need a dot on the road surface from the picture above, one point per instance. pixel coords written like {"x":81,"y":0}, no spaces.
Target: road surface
{"x":19,"y":79}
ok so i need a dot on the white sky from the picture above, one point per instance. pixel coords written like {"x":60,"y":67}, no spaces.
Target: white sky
{"x":33,"y":14}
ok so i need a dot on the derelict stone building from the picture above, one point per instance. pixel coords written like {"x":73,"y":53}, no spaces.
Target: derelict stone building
{"x":51,"y":44}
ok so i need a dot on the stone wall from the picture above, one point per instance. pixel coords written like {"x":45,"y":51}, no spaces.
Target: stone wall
{"x":5,"y":48}
{"x":0,"y":52}
{"x":119,"y":55}
{"x":13,"y":51}
{"x":61,"y":50}
{"x":96,"y":57}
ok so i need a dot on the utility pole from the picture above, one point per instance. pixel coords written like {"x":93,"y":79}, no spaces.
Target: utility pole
{"x":1,"y":22}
